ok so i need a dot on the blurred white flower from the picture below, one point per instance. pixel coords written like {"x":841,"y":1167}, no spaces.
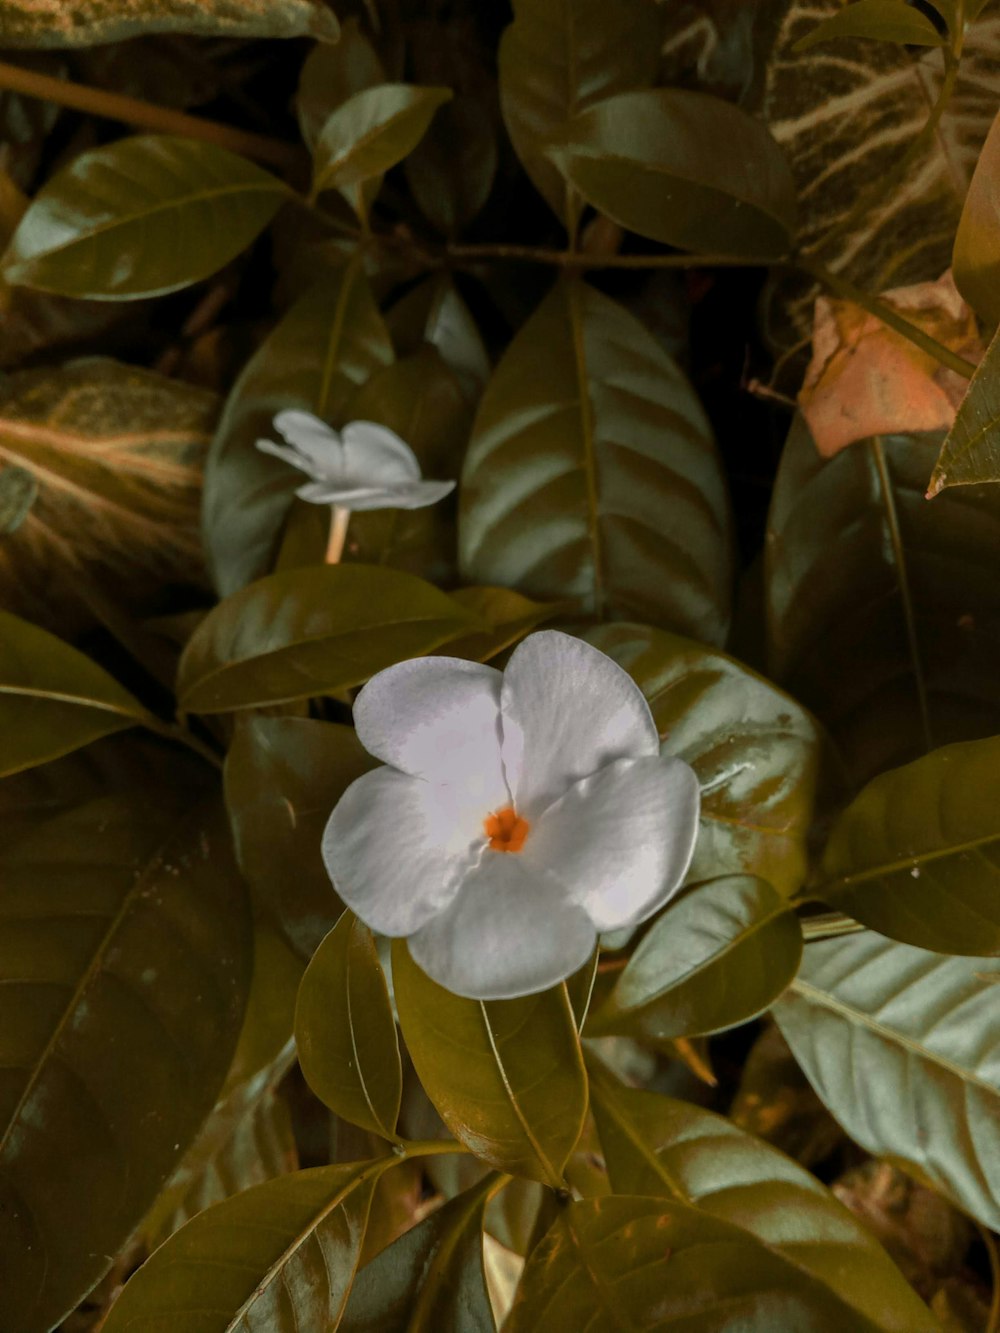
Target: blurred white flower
{"x":518,"y":814}
{"x":363,"y":466}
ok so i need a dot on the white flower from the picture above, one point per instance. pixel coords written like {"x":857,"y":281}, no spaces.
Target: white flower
{"x":518,"y":814}
{"x":364,"y":466}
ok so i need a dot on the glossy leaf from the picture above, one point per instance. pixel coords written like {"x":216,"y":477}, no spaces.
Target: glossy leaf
{"x":452,"y":169}
{"x":372,"y":131}
{"x":332,"y":73}
{"x":971,"y":453}
{"x":283,"y":777}
{"x":717,"y":957}
{"x":556,"y":60}
{"x":330,"y":341}
{"x":916,"y":856}
{"x":431,"y":1280}
{"x":125,"y":955}
{"x":881,"y":20}
{"x":883,"y":610}
{"x":345,"y":1031}
{"x":312,"y":631}
{"x":755,"y":750}
{"x":509,"y":615}
{"x":278,"y":1258}
{"x":434,"y":312}
{"x":53,"y":699}
{"x":592,"y":474}
{"x":25,"y":24}
{"x":655,"y":1145}
{"x":683,"y":168}
{"x":902,"y":1046}
{"x":141,"y":217}
{"x":521,"y":1099}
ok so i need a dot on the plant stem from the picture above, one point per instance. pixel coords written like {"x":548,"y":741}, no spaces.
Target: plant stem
{"x":132,"y":111}
{"x":339,"y":519}
{"x":428,"y":1147}
{"x":528,"y":254}
{"x":881,"y":310}
{"x":828,"y":926}
{"x":172,"y":732}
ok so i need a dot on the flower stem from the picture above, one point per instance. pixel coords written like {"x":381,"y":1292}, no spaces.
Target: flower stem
{"x":339,"y":519}
{"x":145,"y":115}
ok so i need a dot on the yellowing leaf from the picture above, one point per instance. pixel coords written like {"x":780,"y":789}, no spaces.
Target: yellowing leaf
{"x":865,"y":379}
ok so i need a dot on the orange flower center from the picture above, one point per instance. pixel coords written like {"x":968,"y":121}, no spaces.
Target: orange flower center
{"x":506,"y":830}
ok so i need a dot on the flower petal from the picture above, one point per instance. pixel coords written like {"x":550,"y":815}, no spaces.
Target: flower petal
{"x":412,"y":495}
{"x":320,"y":443}
{"x":376,"y":455}
{"x":621,"y":840}
{"x":509,"y":931}
{"x":337,"y":493}
{"x":395,"y":850}
{"x":438,"y":718}
{"x":567,"y":710}
{"x":286,"y":455}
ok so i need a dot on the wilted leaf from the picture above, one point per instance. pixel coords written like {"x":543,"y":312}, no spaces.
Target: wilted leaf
{"x":332,"y":73}
{"x":521,"y":1096}
{"x":330,"y":341}
{"x":881,"y":20}
{"x":116,"y":452}
{"x":901,"y":1044}
{"x":976,"y":256}
{"x":141,"y":217}
{"x":656,"y":1145}
{"x":971,"y":453}
{"x":755,"y":750}
{"x":278,"y":1258}
{"x":715,"y":958}
{"x":592,"y":474}
{"x":882,"y":608}
{"x":126,"y":954}
{"x":866,"y":379}
{"x":52,"y":23}
{"x":556,"y":60}
{"x":683,"y":168}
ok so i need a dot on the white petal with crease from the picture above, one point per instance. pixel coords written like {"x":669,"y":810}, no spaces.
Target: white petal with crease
{"x":376,"y":454}
{"x":320,"y":443}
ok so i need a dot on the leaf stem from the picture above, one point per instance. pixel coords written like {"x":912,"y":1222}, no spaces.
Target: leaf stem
{"x":171,"y":732}
{"x":339,"y":519}
{"x":828,"y":926}
{"x":883,"y":311}
{"x":145,"y":115}
{"x":428,"y":1147}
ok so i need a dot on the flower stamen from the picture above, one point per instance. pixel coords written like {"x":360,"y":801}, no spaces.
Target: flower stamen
{"x":506,"y":830}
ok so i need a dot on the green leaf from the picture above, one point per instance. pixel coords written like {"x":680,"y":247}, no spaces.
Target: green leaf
{"x":332,"y":73}
{"x":283,"y":777}
{"x":683,"y":168}
{"x":592,"y":474}
{"x":345,"y":1031}
{"x":656,"y":1145}
{"x":452,"y":170}
{"x":971,"y":452}
{"x":53,"y":699}
{"x":278,"y":1258}
{"x":434,"y":312}
{"x":883,"y":610}
{"x":755,"y":750}
{"x":717,"y":957}
{"x":372,"y":131}
{"x":901,"y":1045}
{"x":554,"y":60}
{"x":506,"y":1076}
{"x":25,"y":24}
{"x":312,"y":631}
{"x":917,"y":855}
{"x":18,"y":492}
{"x":509,"y":615}
{"x":976,"y":256}
{"x":330,"y":341}
{"x":125,"y":960}
{"x":431,"y":1280}
{"x":881,"y":20}
{"x":141,"y":217}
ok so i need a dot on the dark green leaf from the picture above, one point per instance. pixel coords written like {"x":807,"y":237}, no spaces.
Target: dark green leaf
{"x":25,"y":24}
{"x":656,"y":1145}
{"x":884,"y":610}
{"x":717,"y":957}
{"x":917,"y":855}
{"x":592,"y":474}
{"x":755,"y":750}
{"x":506,"y":1076}
{"x":278,"y":1258}
{"x":332,"y":73}
{"x":330,"y":341}
{"x":345,"y":1031}
{"x":971,"y":453}
{"x":141,"y":217}
{"x":53,"y":699}
{"x":18,"y":492}
{"x":509,"y":615}
{"x":451,"y":171}
{"x":901,"y":1044}
{"x":557,"y":59}
{"x":683,"y":168}
{"x":283,"y":777}
{"x":126,"y":954}
{"x":882,"y":20}
{"x":312,"y":631}
{"x":431,"y":1280}
{"x":433,"y":312}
